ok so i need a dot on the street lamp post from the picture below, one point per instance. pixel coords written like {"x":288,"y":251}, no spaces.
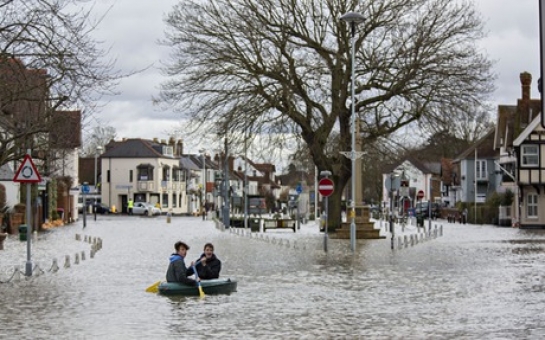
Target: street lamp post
{"x":394,"y":184}
{"x":392,"y":209}
{"x":97,"y":152}
{"x":353,"y":18}
{"x":227,"y":187}
{"x":245,"y":181}
{"x":203,"y":192}
{"x":95,"y":180}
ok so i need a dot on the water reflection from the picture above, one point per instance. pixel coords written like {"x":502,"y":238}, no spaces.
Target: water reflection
{"x":475,"y":282}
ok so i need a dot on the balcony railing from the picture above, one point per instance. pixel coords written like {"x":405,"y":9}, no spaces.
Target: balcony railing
{"x":146,"y":186}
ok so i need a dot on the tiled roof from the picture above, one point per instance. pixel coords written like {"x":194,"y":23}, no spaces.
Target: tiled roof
{"x":134,"y":148}
{"x":484,"y":146}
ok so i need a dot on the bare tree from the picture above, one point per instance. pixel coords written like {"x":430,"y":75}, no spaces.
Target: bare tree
{"x":99,"y":137}
{"x":48,"y":63}
{"x":283,"y":68}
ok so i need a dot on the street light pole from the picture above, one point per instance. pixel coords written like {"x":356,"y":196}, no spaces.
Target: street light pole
{"x":203,"y":192}
{"x":353,"y":18}
{"x":97,"y":152}
{"x":392,"y":231}
{"x":245,"y":181}
{"x":227,"y":187}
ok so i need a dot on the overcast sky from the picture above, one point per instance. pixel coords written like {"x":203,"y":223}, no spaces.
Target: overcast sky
{"x":132,"y":28}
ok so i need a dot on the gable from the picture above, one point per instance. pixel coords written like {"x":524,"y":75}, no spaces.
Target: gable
{"x":534,"y":127}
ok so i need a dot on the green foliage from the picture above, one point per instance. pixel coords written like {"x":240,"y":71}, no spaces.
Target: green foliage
{"x":496,"y":199}
{"x":508,"y":198}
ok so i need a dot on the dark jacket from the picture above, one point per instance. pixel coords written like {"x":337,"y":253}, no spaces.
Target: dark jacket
{"x":176,"y":271}
{"x":210,"y":271}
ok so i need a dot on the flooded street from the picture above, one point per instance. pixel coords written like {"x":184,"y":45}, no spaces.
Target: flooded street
{"x":474,"y":282}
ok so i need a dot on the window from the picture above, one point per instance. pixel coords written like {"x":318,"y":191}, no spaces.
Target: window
{"x":176,"y":174}
{"x":130,"y":176}
{"x":165,"y":200}
{"x":166,"y":173}
{"x":529,"y":155}
{"x":145,"y":172}
{"x":531,"y":206}
{"x":168,"y":150}
{"x":481,"y":169}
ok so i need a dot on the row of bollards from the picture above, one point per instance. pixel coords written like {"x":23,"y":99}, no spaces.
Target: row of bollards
{"x":96,"y":245}
{"x":267,"y":238}
{"x":413,"y":239}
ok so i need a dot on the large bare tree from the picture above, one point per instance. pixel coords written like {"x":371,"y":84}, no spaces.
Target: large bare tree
{"x":49,"y":63}
{"x":283,"y":68}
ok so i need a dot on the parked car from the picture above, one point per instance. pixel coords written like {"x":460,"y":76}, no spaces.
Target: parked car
{"x":144,"y":208}
{"x":422,"y":209}
{"x":101,"y":208}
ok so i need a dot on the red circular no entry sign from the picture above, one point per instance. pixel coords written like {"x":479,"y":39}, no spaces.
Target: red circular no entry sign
{"x":325,"y":187}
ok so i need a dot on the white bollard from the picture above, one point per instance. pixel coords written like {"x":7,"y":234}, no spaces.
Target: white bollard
{"x":54,"y":266}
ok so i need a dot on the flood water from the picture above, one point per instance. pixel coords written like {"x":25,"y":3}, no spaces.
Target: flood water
{"x":473,"y":282}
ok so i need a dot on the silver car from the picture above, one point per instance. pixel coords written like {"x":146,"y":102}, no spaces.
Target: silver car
{"x":145,"y":208}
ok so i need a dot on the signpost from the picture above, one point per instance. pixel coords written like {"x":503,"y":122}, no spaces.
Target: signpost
{"x":28,"y":174}
{"x":85,"y":190}
{"x":326,"y":188}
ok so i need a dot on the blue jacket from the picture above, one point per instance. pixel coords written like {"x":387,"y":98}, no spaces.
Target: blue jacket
{"x":176,"y":271}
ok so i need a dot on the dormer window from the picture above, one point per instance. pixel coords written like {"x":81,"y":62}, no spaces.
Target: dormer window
{"x":168,"y":150}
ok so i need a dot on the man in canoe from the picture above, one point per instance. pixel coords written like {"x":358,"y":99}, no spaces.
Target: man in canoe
{"x":208,"y":266}
{"x":177,"y":270}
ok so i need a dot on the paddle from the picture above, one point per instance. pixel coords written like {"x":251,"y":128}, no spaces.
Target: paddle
{"x":201,"y":292}
{"x":154,"y":288}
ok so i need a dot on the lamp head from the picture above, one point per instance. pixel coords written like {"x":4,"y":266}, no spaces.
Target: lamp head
{"x":352,"y":17}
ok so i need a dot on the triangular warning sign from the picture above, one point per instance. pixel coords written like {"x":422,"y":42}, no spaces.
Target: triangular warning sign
{"x":27,"y":172}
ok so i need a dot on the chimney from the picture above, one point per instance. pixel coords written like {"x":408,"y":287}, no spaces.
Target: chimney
{"x":525,"y":81}
{"x":180,"y":147}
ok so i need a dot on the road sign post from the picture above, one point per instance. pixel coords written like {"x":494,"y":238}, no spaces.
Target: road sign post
{"x":85,"y":190}
{"x":28,"y":174}
{"x":326,"y":188}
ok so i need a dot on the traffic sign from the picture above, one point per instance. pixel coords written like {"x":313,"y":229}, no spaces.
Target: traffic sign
{"x":27,"y":172}
{"x":299,"y":188}
{"x":85,"y":189}
{"x":325,"y":187}
{"x":392,"y":183}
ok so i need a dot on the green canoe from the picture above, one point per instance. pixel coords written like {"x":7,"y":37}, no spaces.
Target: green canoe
{"x":210,"y":287}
